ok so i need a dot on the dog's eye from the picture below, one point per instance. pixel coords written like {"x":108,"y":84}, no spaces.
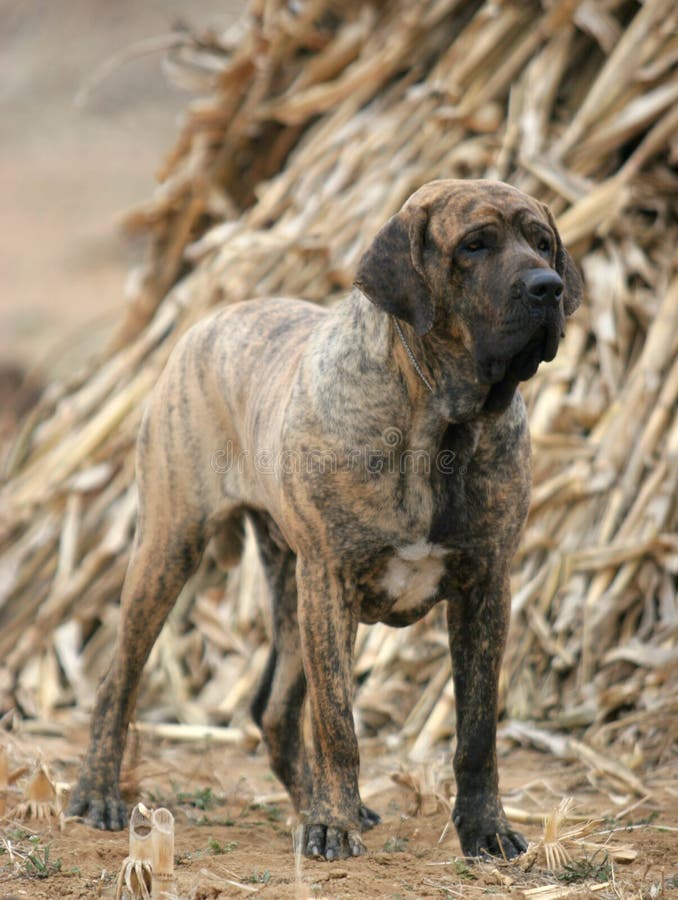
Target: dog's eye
{"x":475,"y":245}
{"x":544,"y":244}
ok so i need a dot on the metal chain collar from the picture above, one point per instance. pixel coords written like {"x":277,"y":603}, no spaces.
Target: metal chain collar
{"x":409,"y":352}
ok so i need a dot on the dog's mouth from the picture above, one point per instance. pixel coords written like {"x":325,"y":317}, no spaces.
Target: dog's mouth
{"x":542,"y":346}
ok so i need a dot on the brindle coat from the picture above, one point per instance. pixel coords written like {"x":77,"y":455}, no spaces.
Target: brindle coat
{"x":372,"y":497}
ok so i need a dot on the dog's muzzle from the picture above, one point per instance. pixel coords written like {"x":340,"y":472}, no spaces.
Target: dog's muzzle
{"x":538,"y":293}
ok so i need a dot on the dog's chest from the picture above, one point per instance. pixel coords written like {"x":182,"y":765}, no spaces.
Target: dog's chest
{"x":406,"y":584}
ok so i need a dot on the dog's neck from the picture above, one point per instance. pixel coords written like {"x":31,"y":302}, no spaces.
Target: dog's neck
{"x":413,"y":359}
{"x":358,"y":362}
{"x":438,"y":373}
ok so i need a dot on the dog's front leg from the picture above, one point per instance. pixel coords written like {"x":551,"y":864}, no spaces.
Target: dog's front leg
{"x":478,"y":624}
{"x":328,"y":620}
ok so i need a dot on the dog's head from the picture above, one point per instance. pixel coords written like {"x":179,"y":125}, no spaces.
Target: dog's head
{"x":481,"y":262}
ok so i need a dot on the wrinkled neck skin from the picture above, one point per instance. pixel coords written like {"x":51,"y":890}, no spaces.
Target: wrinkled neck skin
{"x":458,"y":397}
{"x":365,"y":352}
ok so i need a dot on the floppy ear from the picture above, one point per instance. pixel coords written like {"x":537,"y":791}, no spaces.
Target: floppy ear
{"x":391,"y":272}
{"x":573,"y":287}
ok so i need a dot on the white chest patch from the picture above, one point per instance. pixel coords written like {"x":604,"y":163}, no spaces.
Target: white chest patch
{"x":413,"y":574}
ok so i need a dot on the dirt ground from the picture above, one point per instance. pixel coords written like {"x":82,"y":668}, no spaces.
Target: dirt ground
{"x":234,"y":831}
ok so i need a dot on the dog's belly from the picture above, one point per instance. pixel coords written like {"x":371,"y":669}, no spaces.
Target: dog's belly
{"x":405,"y":585}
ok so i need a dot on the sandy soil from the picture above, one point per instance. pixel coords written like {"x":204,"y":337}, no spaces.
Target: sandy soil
{"x":234,"y":830}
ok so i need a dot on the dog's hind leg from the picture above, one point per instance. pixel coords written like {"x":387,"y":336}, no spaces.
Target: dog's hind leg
{"x":170,"y":538}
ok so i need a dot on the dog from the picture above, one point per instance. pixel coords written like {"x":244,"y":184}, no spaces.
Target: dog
{"x":380,"y":450}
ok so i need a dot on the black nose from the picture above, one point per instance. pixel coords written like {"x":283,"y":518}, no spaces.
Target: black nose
{"x":542,"y":286}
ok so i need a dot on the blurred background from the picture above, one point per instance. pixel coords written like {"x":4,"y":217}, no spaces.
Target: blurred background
{"x":87,"y":116}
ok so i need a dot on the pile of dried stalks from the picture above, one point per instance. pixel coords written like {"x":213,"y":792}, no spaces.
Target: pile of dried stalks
{"x":319,"y":120}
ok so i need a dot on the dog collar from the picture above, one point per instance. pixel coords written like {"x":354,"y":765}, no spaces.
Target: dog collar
{"x":408,"y":350}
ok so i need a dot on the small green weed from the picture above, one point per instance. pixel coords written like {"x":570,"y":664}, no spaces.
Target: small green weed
{"x":582,"y":869}
{"x":217,"y":849}
{"x":271,"y":810}
{"x":38,"y":864}
{"x":202,"y":798}
{"x":17,"y":834}
{"x":215,"y":820}
{"x":460,"y":868}
{"x":396,"y":844}
{"x":258,"y":877}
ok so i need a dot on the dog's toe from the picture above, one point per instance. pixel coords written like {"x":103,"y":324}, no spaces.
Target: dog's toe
{"x":355,"y":844}
{"x":503,"y":845}
{"x":368,"y":818}
{"x":330,"y":842}
{"x":488,"y":837}
{"x":499,"y":845}
{"x":336,"y":844}
{"x":513,"y":844}
{"x":104,"y":810}
{"x":314,"y":841}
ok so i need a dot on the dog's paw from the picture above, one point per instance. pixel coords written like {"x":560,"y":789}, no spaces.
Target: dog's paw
{"x":103,"y":809}
{"x":331,"y":842}
{"x":494,"y":839}
{"x":368,"y":818}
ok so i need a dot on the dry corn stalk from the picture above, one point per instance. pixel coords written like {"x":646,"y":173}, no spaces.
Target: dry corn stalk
{"x":162,"y":840}
{"x":559,"y":846}
{"x":8,"y":781}
{"x":134,"y":879}
{"x":4,"y":779}
{"x":428,"y":794}
{"x":559,"y":892}
{"x":41,"y":799}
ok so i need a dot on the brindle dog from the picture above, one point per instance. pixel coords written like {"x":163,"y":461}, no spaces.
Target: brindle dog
{"x":380,"y":450}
